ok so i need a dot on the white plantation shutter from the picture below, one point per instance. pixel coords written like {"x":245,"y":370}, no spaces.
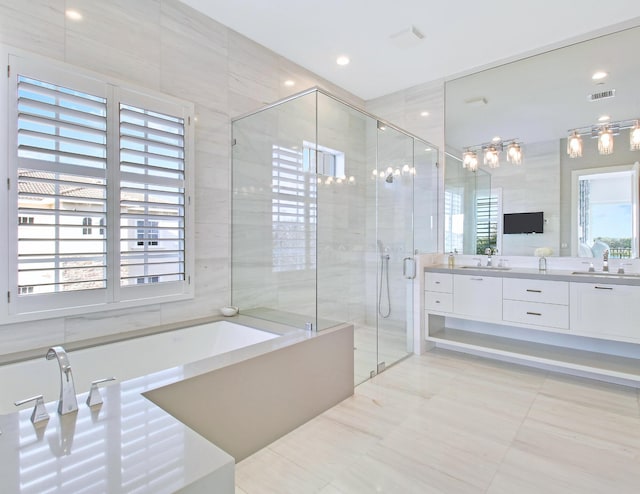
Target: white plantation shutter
{"x":61,"y":185}
{"x":98,"y":193}
{"x":152,"y":197}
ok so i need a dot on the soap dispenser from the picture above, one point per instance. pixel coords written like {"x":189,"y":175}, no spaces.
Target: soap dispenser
{"x":452,"y":260}
{"x":542,"y":263}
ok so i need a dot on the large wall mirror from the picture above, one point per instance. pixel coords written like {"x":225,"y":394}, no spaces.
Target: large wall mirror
{"x":538,"y":102}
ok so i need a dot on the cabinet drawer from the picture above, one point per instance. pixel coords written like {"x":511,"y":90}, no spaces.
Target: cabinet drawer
{"x":549,"y":292}
{"x":438,"y":282}
{"x":441,"y":302}
{"x":537,"y":314}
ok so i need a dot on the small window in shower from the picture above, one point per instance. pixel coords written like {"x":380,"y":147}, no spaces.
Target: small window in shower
{"x":323,"y":160}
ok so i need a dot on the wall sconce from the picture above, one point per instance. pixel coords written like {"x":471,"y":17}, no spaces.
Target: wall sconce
{"x":604,"y":133}
{"x":491,"y":153}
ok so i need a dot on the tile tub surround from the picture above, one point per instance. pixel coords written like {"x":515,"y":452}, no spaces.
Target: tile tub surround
{"x":122,"y":445}
{"x":445,"y":422}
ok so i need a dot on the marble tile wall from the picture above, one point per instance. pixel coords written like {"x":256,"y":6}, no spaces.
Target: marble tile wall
{"x":165,"y":46}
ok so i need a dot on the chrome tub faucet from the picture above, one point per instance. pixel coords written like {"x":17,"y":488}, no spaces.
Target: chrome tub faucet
{"x":68,"y":402}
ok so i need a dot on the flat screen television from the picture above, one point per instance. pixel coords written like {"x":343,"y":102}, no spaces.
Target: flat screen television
{"x":523,"y":223}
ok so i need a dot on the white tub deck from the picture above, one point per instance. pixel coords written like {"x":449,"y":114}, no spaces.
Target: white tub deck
{"x":125,"y":360}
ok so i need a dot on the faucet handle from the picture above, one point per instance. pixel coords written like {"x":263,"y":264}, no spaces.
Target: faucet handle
{"x":95,"y":398}
{"x":622,"y":265}
{"x":39,"y":414}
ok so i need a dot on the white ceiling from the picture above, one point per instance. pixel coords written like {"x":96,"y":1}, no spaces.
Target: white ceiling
{"x":459,"y":36}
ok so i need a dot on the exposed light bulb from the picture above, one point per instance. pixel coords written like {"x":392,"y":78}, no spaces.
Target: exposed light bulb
{"x":470,"y":160}
{"x":514,"y":153}
{"x":491,"y":157}
{"x":574,"y":145}
{"x":605,"y":141}
{"x":634,"y":136}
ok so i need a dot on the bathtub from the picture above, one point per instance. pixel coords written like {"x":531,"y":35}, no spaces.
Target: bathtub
{"x":124,"y":360}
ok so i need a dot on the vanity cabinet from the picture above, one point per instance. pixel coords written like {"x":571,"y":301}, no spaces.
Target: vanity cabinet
{"x":538,"y":319}
{"x":478,"y":297}
{"x":536,"y":302}
{"x":606,"y":310}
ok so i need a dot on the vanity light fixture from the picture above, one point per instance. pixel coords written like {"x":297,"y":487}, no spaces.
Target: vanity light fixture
{"x":343,"y":60}
{"x":491,"y":153}
{"x":634,"y":136}
{"x":605,"y":134}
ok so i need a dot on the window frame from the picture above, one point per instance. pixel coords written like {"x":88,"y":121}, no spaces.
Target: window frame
{"x":15,"y":308}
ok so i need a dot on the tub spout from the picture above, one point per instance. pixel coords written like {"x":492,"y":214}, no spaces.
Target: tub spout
{"x":68,"y":402}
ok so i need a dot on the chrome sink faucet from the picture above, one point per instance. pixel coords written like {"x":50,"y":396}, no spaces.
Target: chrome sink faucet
{"x":489,"y":252}
{"x":605,"y":260}
{"x":68,"y":402}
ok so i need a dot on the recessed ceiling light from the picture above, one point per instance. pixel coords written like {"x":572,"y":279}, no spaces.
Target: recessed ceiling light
{"x":604,"y":118}
{"x":289,"y":83}
{"x":343,"y":60}
{"x":73,"y":15}
{"x":424,"y":114}
{"x":598,"y":76}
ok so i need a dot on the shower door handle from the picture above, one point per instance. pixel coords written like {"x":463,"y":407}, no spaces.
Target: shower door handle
{"x":409,"y":268}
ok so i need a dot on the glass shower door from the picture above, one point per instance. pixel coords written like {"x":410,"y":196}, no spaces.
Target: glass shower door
{"x":395,"y":245}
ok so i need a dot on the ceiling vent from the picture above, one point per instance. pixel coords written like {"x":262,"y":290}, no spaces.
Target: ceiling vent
{"x":609,"y":93}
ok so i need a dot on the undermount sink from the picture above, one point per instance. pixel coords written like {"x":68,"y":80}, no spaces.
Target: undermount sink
{"x":604,"y":273}
{"x":488,"y":268}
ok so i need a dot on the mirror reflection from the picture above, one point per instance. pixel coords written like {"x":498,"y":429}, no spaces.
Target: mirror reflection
{"x":572,"y":113}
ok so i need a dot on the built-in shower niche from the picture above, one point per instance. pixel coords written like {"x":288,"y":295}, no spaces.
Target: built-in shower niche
{"x":316,"y":183}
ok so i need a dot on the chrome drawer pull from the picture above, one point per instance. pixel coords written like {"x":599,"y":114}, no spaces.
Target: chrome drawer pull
{"x":477,"y":279}
{"x":437,"y":282}
{"x":603,"y":288}
{"x":534,"y":291}
{"x":534,"y":314}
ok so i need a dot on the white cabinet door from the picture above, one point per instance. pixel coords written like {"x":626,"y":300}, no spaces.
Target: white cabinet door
{"x":607,"y":310}
{"x":478,"y":296}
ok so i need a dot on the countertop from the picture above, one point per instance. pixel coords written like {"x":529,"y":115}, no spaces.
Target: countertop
{"x":632,"y":279}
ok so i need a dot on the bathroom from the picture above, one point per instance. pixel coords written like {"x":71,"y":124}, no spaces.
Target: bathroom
{"x":153,"y":45}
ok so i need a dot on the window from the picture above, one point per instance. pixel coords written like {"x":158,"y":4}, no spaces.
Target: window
{"x":487,"y":223}
{"x":88,"y":149}
{"x":86,"y":223}
{"x":293,"y":212}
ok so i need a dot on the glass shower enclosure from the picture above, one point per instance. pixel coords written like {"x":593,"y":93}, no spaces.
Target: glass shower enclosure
{"x":330,"y":205}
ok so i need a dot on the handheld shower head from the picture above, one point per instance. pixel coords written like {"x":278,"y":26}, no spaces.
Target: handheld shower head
{"x":389,"y":178}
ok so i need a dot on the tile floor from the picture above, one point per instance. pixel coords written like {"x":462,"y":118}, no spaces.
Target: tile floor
{"x":450,"y":423}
